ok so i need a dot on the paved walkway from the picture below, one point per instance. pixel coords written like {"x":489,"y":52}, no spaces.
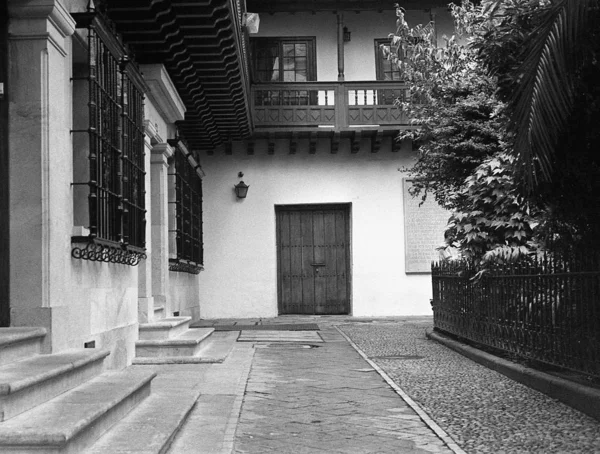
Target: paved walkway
{"x":296,"y":392}
{"x":288,"y":392}
{"x":325,"y":399}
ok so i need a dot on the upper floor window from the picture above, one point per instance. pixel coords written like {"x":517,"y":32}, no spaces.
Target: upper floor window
{"x":284,"y":59}
{"x":108,"y":143}
{"x":385,"y":69}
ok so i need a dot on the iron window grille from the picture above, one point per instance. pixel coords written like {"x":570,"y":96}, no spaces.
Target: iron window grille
{"x":115,"y":132}
{"x":187,"y":200}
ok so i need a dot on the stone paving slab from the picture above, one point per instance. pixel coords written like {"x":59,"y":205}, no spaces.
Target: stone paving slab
{"x":210,"y":428}
{"x":280,"y":336}
{"x":326,"y":399}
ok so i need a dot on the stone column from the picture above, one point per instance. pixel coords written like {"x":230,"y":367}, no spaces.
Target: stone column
{"x":145,"y":298}
{"x":40,"y":159}
{"x":160,"y":224}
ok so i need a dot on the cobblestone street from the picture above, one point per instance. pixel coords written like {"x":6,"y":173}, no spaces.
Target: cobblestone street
{"x":482,"y":410}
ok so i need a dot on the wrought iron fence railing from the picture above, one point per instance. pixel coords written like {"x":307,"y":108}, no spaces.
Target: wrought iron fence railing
{"x":546,"y":309}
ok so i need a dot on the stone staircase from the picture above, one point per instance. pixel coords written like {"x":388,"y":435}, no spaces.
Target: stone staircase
{"x":66,"y":403}
{"x":171,"y":341}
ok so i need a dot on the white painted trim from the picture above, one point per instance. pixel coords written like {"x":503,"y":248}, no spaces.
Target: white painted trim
{"x":163,"y":94}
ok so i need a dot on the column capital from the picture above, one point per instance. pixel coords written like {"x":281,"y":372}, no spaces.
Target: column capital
{"x":41,"y":19}
{"x":160,"y":153}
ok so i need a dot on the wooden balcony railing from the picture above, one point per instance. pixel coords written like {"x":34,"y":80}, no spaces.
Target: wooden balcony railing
{"x":336,"y":105}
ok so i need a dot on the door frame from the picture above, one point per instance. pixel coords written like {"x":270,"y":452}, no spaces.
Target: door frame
{"x":347,"y":207}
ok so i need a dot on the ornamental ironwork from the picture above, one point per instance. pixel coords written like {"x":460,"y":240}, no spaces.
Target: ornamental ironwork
{"x":541,"y":309}
{"x":107,"y":253}
{"x":187,"y":201}
{"x":116,"y":198}
{"x":184,"y":267}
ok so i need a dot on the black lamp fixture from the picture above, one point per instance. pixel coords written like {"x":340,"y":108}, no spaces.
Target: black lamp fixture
{"x":347,"y":35}
{"x":241,"y":189}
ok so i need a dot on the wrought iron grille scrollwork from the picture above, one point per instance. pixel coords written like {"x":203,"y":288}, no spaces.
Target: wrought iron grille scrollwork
{"x":184,"y":267}
{"x":107,"y":253}
{"x":116,"y":198}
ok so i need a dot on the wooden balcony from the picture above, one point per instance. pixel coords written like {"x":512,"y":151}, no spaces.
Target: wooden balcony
{"x":334,"y":106}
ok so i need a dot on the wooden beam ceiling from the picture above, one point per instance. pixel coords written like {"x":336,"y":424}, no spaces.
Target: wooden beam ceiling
{"x":295,"y":6}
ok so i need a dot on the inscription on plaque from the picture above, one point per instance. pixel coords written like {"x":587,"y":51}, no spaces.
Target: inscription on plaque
{"x":424,"y":227}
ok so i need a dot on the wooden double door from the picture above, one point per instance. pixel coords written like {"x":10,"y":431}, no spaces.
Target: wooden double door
{"x":313,"y":260}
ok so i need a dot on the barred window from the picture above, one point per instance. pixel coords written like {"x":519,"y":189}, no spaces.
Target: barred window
{"x":186,"y":209}
{"x":111,"y":131}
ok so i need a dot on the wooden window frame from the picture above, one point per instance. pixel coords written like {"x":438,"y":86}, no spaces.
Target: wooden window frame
{"x":379,"y":70}
{"x":311,"y":54}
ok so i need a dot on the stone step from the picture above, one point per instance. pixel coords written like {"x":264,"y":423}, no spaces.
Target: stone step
{"x":214,"y":349}
{"x":151,"y":427}
{"x":159,"y":312}
{"x":166,"y":328}
{"x":188,"y":343}
{"x":32,"y":381}
{"x":19,"y":343}
{"x":73,"y":421}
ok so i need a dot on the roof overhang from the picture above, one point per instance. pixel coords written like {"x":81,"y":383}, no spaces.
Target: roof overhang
{"x":295,"y":6}
{"x":203,"y":47}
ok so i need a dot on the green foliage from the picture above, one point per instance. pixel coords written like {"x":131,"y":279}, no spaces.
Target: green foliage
{"x":540,"y":52}
{"x":498,"y":107}
{"x":496,"y":222}
{"x":458,"y":120}
{"x":546,"y":57}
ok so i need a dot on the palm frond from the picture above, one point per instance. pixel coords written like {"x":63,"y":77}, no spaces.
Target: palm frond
{"x":543,"y":98}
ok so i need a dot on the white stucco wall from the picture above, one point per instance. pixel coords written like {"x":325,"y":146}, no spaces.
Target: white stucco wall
{"x":183,"y":294}
{"x":365,"y":27}
{"x":240,"y":277}
{"x":76,"y":301}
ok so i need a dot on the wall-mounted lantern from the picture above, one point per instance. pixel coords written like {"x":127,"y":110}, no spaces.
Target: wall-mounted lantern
{"x":347,"y":35}
{"x":241,"y":189}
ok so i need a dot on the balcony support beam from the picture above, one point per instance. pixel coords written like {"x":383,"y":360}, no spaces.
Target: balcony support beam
{"x":294,"y":143}
{"x":335,"y":142}
{"x":270,"y":145}
{"x":312,"y":143}
{"x":356,"y":138}
{"x":376,"y":141}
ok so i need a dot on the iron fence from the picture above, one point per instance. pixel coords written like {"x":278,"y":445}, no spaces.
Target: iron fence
{"x":545,"y":309}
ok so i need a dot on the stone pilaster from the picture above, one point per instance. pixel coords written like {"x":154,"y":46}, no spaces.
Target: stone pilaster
{"x":145,"y":297}
{"x":40,"y":160}
{"x":160,"y":223}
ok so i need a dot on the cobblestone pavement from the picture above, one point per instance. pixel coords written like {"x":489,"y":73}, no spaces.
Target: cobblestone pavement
{"x":482,"y":410}
{"x":325,"y":399}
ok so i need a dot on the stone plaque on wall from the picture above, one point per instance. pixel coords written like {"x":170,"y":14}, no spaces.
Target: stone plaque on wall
{"x":423,"y":231}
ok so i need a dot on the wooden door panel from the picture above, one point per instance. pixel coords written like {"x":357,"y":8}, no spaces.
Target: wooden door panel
{"x":306,"y":251}
{"x":312,"y":257}
{"x":319,"y":272}
{"x":341,"y":241}
{"x":296,"y":263}
{"x":285,"y":259}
